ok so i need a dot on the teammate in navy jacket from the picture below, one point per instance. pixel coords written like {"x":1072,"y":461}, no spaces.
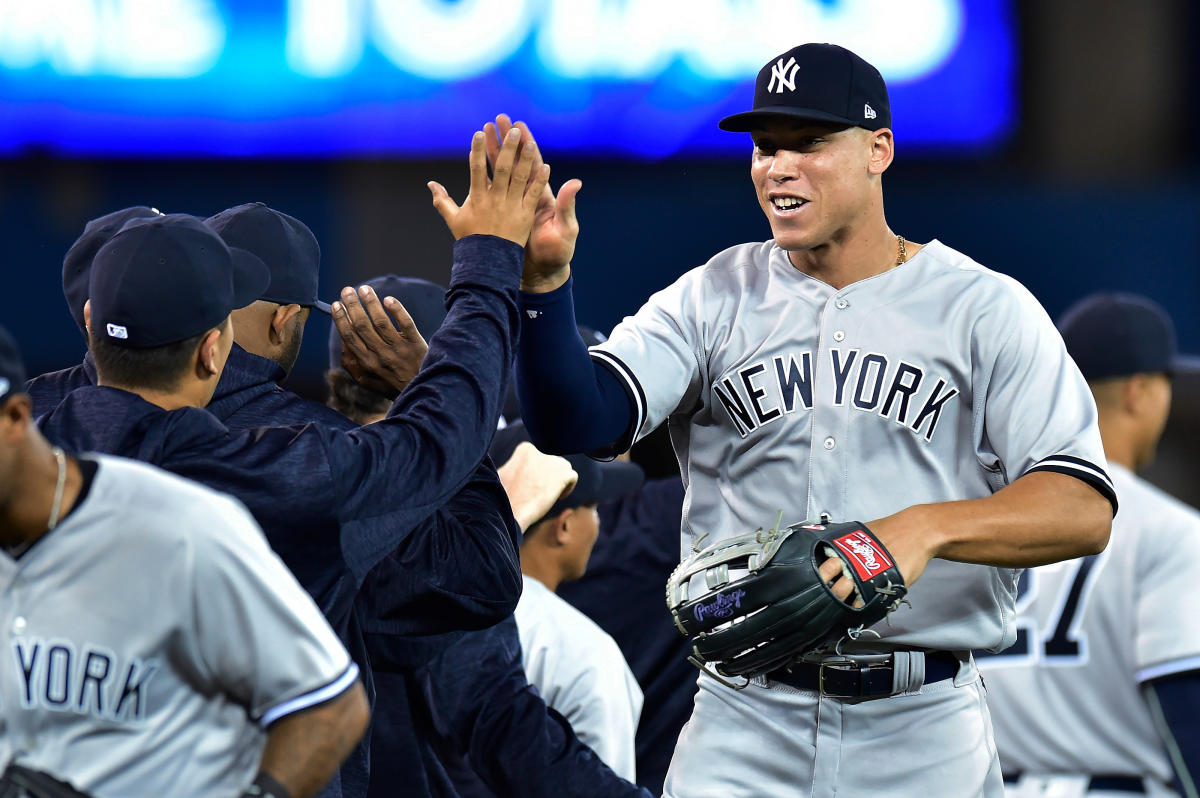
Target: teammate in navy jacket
{"x":371,"y":488}
{"x":465,"y":723}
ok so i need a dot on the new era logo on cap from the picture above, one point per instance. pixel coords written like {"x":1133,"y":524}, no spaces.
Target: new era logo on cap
{"x":868,"y":111}
{"x":117,"y":331}
{"x":785,"y":74}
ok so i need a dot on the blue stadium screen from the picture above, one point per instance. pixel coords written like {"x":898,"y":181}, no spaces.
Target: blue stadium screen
{"x":317,"y":78}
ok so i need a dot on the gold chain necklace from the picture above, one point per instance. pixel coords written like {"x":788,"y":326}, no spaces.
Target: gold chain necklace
{"x":902,"y":256}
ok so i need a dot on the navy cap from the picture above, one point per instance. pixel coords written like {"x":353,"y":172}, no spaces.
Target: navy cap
{"x":167,"y":278}
{"x":1117,"y":335}
{"x":12,"y":370}
{"x":598,"y":481}
{"x":817,"y":83}
{"x":284,"y":243}
{"x":77,"y":264}
{"x":424,"y":301}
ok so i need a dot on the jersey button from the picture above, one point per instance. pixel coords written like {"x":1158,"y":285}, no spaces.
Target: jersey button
{"x":18,"y":625}
{"x":841,"y":304}
{"x":839,"y":336}
{"x":829,"y":444}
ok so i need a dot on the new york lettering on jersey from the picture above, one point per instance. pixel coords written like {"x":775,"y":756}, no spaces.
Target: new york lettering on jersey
{"x":87,"y":679}
{"x":766,"y":390}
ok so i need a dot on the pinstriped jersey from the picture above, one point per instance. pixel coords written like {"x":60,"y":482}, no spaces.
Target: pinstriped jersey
{"x":151,"y":637}
{"x":1067,"y":697}
{"x":936,"y":380}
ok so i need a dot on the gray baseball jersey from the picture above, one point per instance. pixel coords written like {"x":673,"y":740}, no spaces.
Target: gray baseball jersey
{"x":936,"y":380}
{"x":152,"y":636}
{"x":1066,"y":698}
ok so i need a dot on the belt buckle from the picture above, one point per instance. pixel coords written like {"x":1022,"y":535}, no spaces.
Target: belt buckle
{"x":859,"y":666}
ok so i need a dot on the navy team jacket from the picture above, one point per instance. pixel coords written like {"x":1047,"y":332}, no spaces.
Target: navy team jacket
{"x":414,"y":488}
{"x":469,"y":725}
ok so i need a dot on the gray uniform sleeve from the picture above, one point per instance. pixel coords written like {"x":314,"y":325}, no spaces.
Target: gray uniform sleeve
{"x":259,"y":638}
{"x":1037,"y":412}
{"x":658,"y":353}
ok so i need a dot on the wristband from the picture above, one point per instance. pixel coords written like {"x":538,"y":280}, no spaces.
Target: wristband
{"x":265,"y":786}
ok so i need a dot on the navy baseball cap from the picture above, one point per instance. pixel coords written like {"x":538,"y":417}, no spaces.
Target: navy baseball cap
{"x":816,"y":83}
{"x":284,"y":243}
{"x":424,"y":301}
{"x":1117,"y":335}
{"x":167,"y":278}
{"x":77,"y":264}
{"x":598,"y":481}
{"x":12,"y":370}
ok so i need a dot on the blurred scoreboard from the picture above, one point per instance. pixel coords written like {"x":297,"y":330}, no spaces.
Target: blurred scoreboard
{"x":413,"y":78}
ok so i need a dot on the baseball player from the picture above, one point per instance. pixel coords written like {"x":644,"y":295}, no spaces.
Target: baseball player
{"x":1099,"y":694}
{"x":622,"y":593}
{"x":47,"y":390}
{"x":838,"y":370}
{"x":158,"y":646}
{"x":466,"y":722}
{"x":410,"y":490}
{"x":576,"y":666}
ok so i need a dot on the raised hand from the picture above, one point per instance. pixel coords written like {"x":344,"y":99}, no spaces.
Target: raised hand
{"x":503,"y":206}
{"x":378,"y":354}
{"x":555,"y":226}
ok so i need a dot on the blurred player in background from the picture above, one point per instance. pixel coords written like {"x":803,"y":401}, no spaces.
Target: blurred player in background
{"x":159,"y":646}
{"x":47,"y":390}
{"x":576,"y":666}
{"x":466,"y":722}
{"x":1100,"y":695}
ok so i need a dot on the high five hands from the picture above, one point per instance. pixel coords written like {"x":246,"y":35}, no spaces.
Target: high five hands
{"x":503,"y":206}
{"x":555,"y":230}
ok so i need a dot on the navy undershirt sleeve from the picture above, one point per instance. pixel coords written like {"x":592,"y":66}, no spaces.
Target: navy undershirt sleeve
{"x":1178,"y":696}
{"x":569,"y":402}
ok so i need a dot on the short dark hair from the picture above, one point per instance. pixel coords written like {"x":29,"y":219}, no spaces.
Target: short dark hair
{"x":158,"y":368}
{"x":352,"y":400}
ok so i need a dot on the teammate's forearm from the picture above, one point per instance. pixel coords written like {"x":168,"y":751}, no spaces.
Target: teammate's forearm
{"x":570,"y":403}
{"x":1042,"y":517}
{"x":305,"y":749}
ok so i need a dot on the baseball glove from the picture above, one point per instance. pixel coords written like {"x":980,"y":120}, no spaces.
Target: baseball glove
{"x":19,"y":781}
{"x":763,"y":604}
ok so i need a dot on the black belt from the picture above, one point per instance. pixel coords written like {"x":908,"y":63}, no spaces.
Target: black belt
{"x":859,"y":679}
{"x":1110,"y":783}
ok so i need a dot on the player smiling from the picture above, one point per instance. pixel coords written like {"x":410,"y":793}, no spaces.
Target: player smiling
{"x":839,"y":370}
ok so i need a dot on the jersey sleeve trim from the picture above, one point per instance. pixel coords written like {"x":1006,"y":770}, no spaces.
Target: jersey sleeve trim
{"x":1079,"y":468}
{"x":312,"y":698}
{"x":627,"y":377}
{"x":1167,"y":669}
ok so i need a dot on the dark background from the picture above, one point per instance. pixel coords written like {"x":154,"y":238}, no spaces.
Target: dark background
{"x":1099,"y":189}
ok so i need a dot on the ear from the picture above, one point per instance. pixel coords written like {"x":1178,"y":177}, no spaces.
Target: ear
{"x":560,"y":527}
{"x":87,"y":315}
{"x":16,"y":414}
{"x":882,"y":151}
{"x":280,"y":320}
{"x":208,"y":360}
{"x":1133,"y":394}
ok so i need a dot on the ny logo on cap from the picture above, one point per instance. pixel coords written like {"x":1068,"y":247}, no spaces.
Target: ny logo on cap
{"x":785,"y":74}
{"x":868,"y":111}
{"x":117,"y":331}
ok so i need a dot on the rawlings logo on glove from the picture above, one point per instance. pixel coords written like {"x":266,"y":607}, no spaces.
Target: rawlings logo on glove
{"x":779,"y":608}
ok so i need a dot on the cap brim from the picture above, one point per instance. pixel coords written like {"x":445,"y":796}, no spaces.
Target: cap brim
{"x":1185,"y":364}
{"x":619,"y":479}
{"x":750,"y":120}
{"x":322,"y":306}
{"x":250,"y":277}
